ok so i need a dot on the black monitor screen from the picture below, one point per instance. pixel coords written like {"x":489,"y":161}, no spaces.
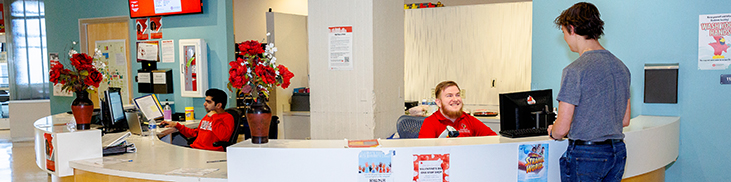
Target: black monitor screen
{"x":113,"y":109}
{"x":524,"y":110}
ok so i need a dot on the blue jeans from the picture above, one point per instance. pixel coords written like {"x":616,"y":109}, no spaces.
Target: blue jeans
{"x":604,"y":162}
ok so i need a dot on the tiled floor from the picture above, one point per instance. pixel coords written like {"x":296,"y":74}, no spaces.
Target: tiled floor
{"x":17,"y":161}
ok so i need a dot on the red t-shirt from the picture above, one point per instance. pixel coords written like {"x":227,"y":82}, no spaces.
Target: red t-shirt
{"x":211,"y":129}
{"x":467,"y":126}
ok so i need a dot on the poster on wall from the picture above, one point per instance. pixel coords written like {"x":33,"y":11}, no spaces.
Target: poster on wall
{"x":114,"y":57}
{"x":58,"y":88}
{"x":340,"y":47}
{"x":532,"y":163}
{"x":2,"y":18}
{"x":167,"y":51}
{"x":156,"y":28}
{"x":431,"y":167}
{"x":148,"y":51}
{"x":375,"y":165}
{"x":713,"y":35}
{"x":141,"y":26}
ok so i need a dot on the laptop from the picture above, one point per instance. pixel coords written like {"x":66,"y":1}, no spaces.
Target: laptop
{"x":133,"y":121}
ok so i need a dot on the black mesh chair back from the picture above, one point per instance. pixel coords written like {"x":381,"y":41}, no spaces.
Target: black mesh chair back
{"x":409,"y":126}
{"x":236,"y":113}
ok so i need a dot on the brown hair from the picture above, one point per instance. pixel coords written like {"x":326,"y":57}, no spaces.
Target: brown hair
{"x":585,"y":19}
{"x":441,"y":86}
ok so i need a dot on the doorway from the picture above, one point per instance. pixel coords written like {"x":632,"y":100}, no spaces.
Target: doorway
{"x":110,"y":35}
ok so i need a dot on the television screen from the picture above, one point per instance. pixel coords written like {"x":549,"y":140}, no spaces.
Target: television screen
{"x":146,"y":8}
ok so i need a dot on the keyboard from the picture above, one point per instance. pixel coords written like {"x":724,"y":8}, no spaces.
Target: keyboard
{"x":524,"y":132}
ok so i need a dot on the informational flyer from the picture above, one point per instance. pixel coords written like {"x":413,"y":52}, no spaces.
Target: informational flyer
{"x":58,"y":88}
{"x":156,"y":28}
{"x":50,"y":152}
{"x":532,"y":163}
{"x":340,"y":44}
{"x":431,"y":167}
{"x":375,"y":165}
{"x":167,"y":50}
{"x":148,"y":51}
{"x":141,"y":26}
{"x":713,"y":34}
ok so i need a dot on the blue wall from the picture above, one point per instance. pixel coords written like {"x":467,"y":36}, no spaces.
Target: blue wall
{"x":214,"y":25}
{"x":653,"y":31}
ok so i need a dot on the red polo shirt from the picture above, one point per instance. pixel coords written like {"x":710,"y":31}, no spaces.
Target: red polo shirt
{"x":467,"y":126}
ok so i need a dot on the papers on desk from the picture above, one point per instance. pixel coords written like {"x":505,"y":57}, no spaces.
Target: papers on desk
{"x":191,"y":171}
{"x":114,"y":139}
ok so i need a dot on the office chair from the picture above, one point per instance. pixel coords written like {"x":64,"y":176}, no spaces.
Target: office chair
{"x":409,"y":126}
{"x":237,"y":115}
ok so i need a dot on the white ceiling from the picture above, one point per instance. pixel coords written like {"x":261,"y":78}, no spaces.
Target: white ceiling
{"x":462,"y":2}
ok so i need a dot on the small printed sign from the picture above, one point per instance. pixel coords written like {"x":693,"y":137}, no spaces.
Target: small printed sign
{"x":726,"y":79}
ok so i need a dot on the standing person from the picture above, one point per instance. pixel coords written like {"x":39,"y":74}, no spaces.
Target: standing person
{"x":594,"y":102}
{"x":217,"y":125}
{"x":450,"y":114}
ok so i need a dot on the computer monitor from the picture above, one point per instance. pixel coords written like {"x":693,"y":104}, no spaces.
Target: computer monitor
{"x":113,"y":117}
{"x":525,"y":110}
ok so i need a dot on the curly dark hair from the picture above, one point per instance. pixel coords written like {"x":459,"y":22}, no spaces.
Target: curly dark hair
{"x":584,"y":18}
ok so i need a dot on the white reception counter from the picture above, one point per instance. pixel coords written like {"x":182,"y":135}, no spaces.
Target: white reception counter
{"x":491,"y":158}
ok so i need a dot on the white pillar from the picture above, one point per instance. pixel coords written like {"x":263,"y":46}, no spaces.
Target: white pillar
{"x":365,"y":102}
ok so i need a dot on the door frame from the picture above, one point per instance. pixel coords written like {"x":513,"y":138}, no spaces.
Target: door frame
{"x":86,"y":21}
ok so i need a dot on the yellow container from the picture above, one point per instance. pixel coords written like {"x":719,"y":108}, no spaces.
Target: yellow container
{"x":189,"y":114}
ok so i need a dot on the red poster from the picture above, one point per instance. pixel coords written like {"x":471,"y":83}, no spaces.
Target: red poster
{"x":141,"y":26}
{"x":156,"y":28}
{"x":50,"y":157}
{"x":2,"y":19}
{"x":431,"y":167}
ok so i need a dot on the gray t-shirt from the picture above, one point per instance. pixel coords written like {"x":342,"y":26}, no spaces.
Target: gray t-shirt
{"x":597,"y":83}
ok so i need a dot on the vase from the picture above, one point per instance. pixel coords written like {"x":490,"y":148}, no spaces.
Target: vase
{"x":259,"y":116}
{"x":82,"y":108}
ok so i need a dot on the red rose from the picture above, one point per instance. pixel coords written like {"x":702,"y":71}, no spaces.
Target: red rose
{"x":286,"y":75}
{"x":94,"y":78}
{"x":251,"y":47}
{"x":81,"y":60}
{"x":266,"y":74}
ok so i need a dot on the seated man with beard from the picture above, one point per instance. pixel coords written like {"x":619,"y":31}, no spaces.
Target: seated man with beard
{"x":450,"y":114}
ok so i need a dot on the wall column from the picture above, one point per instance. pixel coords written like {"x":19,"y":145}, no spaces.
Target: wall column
{"x":365,"y":102}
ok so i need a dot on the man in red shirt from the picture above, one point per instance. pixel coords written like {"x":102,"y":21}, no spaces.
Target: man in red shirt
{"x":216,"y":126}
{"x":450,"y":114}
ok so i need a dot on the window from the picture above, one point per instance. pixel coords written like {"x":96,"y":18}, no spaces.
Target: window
{"x":28,"y":65}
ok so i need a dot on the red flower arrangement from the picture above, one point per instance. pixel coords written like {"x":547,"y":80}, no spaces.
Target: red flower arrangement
{"x":83,"y":75}
{"x":257,"y":72}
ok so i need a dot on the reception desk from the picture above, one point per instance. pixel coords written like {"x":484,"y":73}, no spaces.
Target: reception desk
{"x":652,"y":143}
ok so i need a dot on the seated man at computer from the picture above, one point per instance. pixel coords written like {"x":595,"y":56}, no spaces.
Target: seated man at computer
{"x":216,"y":126}
{"x":450,"y":114}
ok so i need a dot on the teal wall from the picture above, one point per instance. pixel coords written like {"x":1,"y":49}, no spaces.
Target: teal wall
{"x":653,"y":31}
{"x":214,"y":25}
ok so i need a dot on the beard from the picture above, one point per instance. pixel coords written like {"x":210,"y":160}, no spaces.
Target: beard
{"x":452,"y":114}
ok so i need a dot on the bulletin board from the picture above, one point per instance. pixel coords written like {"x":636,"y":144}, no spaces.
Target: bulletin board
{"x":114,"y":56}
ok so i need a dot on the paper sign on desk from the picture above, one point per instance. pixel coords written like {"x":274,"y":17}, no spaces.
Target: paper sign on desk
{"x":531,"y":162}
{"x":362,"y":143}
{"x":431,"y":167}
{"x":375,"y":165}
{"x":192,"y":171}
